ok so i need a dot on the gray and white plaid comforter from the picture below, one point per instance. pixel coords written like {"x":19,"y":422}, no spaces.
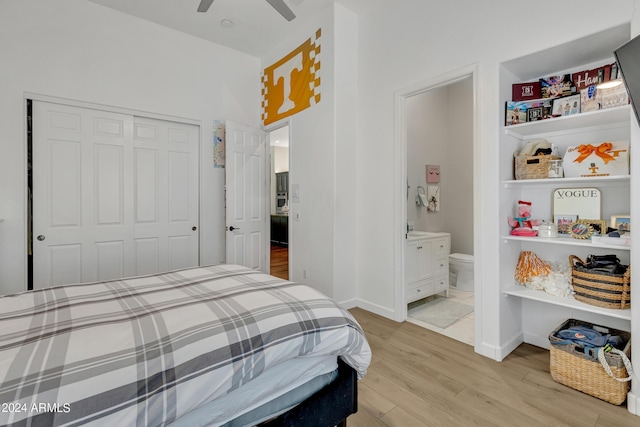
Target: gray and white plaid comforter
{"x":144,"y":351}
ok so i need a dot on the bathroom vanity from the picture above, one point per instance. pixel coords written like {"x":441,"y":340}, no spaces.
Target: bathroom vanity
{"x":426,"y":264}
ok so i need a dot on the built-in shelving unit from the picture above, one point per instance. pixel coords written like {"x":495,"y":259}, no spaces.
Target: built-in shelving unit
{"x":568,"y":241}
{"x":558,"y":182}
{"x":529,"y":314}
{"x":596,"y":119}
{"x":571,"y":303}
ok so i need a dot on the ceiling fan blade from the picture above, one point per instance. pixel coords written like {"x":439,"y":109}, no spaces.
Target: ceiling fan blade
{"x":282,"y":8}
{"x":204,"y":5}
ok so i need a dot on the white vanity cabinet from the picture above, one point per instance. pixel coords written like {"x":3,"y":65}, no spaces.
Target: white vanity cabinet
{"x":426,"y":264}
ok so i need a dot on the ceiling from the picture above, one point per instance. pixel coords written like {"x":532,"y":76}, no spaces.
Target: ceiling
{"x":257,"y":27}
{"x":279,"y":137}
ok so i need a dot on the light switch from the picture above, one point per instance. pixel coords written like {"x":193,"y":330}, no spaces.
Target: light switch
{"x":295,"y":193}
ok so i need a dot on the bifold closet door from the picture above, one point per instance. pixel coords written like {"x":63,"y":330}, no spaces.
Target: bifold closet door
{"x":113,"y":195}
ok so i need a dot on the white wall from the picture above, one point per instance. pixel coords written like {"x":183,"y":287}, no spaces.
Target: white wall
{"x":427,"y":143}
{"x":280,"y":159}
{"x":322,"y":154}
{"x":411,"y":41}
{"x":78,"y":50}
{"x":457,"y":199}
{"x":440,"y":131}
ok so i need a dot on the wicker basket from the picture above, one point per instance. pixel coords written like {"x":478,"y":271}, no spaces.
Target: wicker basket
{"x":533,"y":167}
{"x":571,"y":367}
{"x":606,"y":290}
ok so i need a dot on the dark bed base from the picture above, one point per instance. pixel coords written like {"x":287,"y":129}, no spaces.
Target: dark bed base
{"x":329,"y":406}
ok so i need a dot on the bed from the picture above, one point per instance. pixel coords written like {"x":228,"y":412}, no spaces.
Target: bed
{"x":209,"y":346}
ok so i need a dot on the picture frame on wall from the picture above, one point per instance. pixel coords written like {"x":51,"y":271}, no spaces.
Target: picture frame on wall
{"x":621,"y":222}
{"x":433,"y":174}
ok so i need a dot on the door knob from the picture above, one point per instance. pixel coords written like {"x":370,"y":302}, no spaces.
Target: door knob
{"x":233,"y":228}
{"x":41,"y":237}
{"x":194,"y":228}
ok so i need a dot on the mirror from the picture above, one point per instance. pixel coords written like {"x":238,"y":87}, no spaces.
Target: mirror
{"x":583,"y":203}
{"x":580,"y":230}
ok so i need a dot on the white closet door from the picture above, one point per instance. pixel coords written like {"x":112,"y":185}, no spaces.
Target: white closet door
{"x":93,"y":182}
{"x":165,"y":199}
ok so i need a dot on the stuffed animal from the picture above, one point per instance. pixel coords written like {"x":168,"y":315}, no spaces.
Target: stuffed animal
{"x":522,"y":224}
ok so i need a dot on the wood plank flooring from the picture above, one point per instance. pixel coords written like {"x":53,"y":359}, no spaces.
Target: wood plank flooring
{"x":280,"y":261}
{"x":421,"y":378}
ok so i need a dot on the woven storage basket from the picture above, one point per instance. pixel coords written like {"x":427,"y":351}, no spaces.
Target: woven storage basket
{"x":533,"y":167}
{"x":606,"y":290}
{"x":571,"y":367}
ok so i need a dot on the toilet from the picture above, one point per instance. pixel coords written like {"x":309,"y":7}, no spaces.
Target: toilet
{"x":461,"y":272}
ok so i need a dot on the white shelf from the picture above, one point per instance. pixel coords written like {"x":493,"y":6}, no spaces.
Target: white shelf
{"x":541,"y":296}
{"x":551,"y":182}
{"x":569,"y":241}
{"x":608,"y":117}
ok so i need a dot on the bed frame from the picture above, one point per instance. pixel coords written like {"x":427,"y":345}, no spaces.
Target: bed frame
{"x":329,"y":406}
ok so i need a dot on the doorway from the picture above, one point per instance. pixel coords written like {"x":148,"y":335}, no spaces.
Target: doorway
{"x":279,"y":199}
{"x":438,"y":134}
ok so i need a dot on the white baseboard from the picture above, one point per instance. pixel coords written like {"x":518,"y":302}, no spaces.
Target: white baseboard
{"x":376,"y":309}
{"x":510,"y":346}
{"x":633,"y":403}
{"x":537,"y":340}
{"x":350,"y":303}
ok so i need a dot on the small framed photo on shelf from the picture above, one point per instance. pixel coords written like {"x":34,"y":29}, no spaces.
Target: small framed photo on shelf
{"x":580,"y":230}
{"x":621,"y":222}
{"x":564,"y":223}
{"x":566,"y":106}
{"x":599,"y":226}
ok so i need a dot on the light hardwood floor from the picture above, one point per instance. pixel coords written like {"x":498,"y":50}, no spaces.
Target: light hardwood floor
{"x":421,"y":378}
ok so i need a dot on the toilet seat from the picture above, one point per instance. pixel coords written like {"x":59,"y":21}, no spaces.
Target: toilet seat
{"x":464,"y":258}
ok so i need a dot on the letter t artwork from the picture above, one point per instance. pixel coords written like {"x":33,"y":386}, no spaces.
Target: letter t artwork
{"x":293,"y":83}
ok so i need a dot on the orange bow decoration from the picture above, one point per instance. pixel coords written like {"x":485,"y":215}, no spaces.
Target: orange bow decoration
{"x":601,"y":151}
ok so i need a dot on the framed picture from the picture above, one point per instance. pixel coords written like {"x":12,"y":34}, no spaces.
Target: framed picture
{"x":580,"y":230}
{"x":433,"y":174}
{"x":566,"y":106}
{"x":621,"y":222}
{"x":534,"y":114}
{"x":564,"y":223}
{"x":599,"y":226}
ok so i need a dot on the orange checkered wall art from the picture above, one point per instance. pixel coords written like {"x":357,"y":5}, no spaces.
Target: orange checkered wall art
{"x":293,"y":83}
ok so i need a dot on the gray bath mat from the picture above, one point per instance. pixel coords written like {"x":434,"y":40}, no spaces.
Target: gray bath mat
{"x":440,"y":312}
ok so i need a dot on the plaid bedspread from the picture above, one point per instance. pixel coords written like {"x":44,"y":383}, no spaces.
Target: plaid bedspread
{"x":144,"y":351}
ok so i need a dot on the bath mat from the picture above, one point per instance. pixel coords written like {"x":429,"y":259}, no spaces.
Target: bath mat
{"x":440,"y":312}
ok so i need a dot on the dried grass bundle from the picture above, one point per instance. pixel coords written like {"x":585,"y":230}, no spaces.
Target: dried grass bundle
{"x":530,"y":265}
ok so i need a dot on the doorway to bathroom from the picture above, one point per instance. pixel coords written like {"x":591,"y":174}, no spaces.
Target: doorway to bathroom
{"x":279,"y":199}
{"x":439,"y":135}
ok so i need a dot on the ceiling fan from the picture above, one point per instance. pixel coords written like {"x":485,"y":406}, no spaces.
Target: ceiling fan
{"x":278,"y":5}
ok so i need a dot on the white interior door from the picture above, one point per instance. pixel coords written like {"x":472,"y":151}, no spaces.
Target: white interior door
{"x":113,"y":195}
{"x":246,"y":196}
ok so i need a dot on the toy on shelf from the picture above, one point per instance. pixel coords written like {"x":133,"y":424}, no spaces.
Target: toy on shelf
{"x":522,"y":224}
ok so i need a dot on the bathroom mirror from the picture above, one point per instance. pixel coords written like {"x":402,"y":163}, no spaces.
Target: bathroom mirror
{"x":585,"y":203}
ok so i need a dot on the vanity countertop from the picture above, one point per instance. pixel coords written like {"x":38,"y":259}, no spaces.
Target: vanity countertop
{"x":417,"y":235}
